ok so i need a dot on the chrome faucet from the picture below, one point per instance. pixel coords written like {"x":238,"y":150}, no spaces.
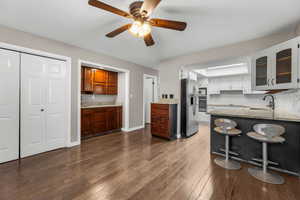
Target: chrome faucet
{"x":271,"y":102}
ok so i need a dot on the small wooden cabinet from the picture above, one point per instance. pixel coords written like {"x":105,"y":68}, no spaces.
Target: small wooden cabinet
{"x":87,"y":117}
{"x":87,"y":82}
{"x":98,"y":121}
{"x":112,"y":83}
{"x":164,"y":120}
{"x":99,"y":81}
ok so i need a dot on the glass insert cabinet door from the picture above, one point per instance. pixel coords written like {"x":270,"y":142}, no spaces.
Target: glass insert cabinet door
{"x":284,"y":66}
{"x":261,"y":69}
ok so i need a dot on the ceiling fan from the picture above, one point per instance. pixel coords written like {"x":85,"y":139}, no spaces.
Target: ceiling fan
{"x":140,"y":12}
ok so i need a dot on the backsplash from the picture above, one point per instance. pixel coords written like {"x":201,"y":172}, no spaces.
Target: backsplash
{"x":94,"y":99}
{"x":287,"y":102}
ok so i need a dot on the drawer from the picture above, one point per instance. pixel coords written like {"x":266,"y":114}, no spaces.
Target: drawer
{"x":160,"y":106}
{"x":111,"y":109}
{"x":85,"y":111}
{"x":160,"y":112}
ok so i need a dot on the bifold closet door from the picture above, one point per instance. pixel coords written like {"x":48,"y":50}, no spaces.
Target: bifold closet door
{"x":9,"y":105}
{"x":43,"y":104}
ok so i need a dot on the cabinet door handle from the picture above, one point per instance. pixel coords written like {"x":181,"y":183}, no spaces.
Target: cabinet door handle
{"x":268,"y":82}
{"x":272,"y":81}
{"x":42,"y":110}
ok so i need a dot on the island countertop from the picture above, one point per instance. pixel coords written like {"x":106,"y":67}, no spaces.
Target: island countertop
{"x":256,"y":114}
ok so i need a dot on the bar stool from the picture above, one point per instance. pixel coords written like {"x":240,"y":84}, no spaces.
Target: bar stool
{"x":227,"y":127}
{"x":266,"y":134}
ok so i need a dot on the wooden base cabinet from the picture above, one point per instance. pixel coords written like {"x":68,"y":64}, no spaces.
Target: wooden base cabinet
{"x":164,"y":120}
{"x":99,"y":121}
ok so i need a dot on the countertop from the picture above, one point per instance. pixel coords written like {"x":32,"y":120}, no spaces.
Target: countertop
{"x":256,"y":114}
{"x":101,"y":106}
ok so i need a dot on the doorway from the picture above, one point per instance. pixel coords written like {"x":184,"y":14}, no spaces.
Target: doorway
{"x":150,"y":95}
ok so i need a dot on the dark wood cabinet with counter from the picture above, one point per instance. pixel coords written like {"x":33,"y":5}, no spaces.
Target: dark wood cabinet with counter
{"x":100,"y":120}
{"x":164,"y":120}
{"x":98,"y":81}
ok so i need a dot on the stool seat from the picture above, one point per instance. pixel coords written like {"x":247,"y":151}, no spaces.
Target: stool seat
{"x":262,"y":138}
{"x":269,"y":130}
{"x":227,"y":128}
{"x":266,"y":134}
{"x":225,"y":123}
{"x":230,"y":132}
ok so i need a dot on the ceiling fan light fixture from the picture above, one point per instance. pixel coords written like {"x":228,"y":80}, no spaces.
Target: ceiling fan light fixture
{"x":140,"y":29}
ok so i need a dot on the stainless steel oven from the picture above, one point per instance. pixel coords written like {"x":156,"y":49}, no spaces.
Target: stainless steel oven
{"x":202,"y":100}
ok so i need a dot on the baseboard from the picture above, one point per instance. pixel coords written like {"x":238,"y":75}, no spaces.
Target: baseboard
{"x":73,"y":144}
{"x":133,"y":128}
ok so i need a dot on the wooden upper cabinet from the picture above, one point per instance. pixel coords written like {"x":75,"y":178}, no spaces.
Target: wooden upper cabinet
{"x":99,"y":81}
{"x":112,"y":78}
{"x":100,"y":88}
{"x":87,"y":76}
{"x":112,"y":83}
{"x":100,"y":76}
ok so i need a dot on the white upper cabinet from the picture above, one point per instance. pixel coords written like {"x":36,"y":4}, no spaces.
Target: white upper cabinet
{"x":276,"y":67}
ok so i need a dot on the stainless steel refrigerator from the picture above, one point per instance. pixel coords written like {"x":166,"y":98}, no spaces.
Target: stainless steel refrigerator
{"x":189,"y":107}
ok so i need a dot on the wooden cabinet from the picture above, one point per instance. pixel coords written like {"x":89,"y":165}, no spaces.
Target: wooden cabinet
{"x":112,"y":83}
{"x":276,"y":67}
{"x":164,"y":120}
{"x":87,"y":128}
{"x":87,"y":76}
{"x":100,"y":88}
{"x":98,"y":121}
{"x":112,"y":78}
{"x":100,"y":76}
{"x":99,"y":81}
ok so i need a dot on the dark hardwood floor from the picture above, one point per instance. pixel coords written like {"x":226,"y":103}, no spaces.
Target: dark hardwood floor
{"x":135,"y":166}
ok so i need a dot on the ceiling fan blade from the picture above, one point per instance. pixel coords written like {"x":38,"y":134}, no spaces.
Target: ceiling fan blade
{"x":101,"y":5}
{"x":149,"y":40}
{"x":118,"y":31}
{"x":149,"y":5}
{"x":174,"y":25}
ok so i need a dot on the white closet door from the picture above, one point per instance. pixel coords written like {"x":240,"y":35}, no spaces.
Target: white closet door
{"x":43,"y":109}
{"x":55,"y":104}
{"x":9,"y":105}
{"x":32,"y":105}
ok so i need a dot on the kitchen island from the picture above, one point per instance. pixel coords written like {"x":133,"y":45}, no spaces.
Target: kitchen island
{"x":286,"y":156}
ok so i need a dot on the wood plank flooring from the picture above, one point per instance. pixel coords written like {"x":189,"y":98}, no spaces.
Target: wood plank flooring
{"x":135,"y":166}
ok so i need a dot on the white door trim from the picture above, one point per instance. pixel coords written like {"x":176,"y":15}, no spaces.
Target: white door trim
{"x":155,"y":78}
{"x":68,"y":78}
{"x":127,"y":93}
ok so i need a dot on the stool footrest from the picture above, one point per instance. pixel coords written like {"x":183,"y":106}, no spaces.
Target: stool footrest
{"x":230,"y":152}
{"x":260,"y":161}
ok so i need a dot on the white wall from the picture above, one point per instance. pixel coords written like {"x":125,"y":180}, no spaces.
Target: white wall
{"x":298,"y":30}
{"x":148,"y":95}
{"x":121,"y":93}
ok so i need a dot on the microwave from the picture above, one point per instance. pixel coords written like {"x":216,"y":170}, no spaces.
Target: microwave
{"x":202,"y":91}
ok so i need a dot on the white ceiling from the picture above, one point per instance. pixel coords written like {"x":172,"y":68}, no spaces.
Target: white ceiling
{"x":211,"y":23}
